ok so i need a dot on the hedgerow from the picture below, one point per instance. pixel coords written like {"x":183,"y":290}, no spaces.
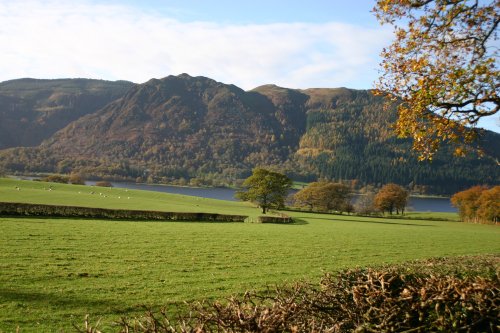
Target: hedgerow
{"x":39,"y":210}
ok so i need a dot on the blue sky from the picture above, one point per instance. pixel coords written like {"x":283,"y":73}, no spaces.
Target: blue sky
{"x":260,"y":11}
{"x":295,"y":44}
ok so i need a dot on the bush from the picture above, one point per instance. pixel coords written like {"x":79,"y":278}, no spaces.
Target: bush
{"x":76,"y":179}
{"x":103,"y":183}
{"x":460,"y":294}
{"x":56,"y":179}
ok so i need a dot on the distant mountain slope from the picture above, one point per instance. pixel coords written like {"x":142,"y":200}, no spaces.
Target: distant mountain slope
{"x":194,"y":127}
{"x":32,"y":110}
{"x":350,"y":136}
{"x":181,"y":125}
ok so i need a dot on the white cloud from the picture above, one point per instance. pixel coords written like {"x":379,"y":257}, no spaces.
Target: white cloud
{"x":52,"y":39}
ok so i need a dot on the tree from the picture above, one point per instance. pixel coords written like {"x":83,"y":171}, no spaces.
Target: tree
{"x":443,"y":66}
{"x":478,"y":204}
{"x":325,"y":196}
{"x":307,"y":196}
{"x":266,"y":188}
{"x":365,"y":204}
{"x":391,"y":197}
{"x":336,"y":196}
{"x":489,"y":205}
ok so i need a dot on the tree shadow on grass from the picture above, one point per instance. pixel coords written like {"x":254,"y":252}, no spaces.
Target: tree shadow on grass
{"x":374,"y":222}
{"x":23,"y":298}
{"x":297,"y":221}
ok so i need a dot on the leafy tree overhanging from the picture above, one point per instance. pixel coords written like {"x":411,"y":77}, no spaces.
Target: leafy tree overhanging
{"x":443,"y":65}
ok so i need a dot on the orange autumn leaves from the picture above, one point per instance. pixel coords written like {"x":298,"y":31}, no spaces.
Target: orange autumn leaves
{"x":478,"y":204}
{"x":442,"y":68}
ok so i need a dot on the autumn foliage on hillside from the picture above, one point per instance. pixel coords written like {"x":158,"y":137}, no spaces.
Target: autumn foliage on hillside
{"x":478,"y":204}
{"x":193,"y":130}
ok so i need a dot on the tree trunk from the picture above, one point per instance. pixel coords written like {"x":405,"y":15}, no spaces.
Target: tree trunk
{"x":263,"y":209}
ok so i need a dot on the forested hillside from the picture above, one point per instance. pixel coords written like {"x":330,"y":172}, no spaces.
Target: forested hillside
{"x":33,"y":110}
{"x":199,"y":130}
{"x":350,"y":137}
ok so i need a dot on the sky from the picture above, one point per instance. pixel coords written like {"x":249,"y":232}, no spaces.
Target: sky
{"x":290,"y":43}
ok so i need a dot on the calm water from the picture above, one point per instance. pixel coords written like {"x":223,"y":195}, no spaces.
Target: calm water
{"x":431,"y":205}
{"x":415,"y":204}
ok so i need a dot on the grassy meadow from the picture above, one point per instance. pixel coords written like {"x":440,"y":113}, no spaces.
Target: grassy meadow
{"x":115,"y":198}
{"x":55,"y":271}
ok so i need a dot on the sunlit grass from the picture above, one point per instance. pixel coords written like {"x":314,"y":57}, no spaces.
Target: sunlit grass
{"x":115,"y":198}
{"x":54,"y":271}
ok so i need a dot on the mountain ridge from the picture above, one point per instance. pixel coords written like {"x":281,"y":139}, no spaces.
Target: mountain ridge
{"x":197,"y":128}
{"x":31,"y":110}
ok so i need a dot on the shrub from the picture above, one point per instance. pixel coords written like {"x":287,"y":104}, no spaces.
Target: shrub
{"x":103,"y":183}
{"x":76,"y":179}
{"x":56,"y":179}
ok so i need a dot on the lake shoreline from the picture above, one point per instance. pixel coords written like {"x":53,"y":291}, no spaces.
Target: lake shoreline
{"x":417,"y":203}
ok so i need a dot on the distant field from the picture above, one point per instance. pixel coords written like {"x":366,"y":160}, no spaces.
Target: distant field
{"x":54,"y":271}
{"x":117,"y":198}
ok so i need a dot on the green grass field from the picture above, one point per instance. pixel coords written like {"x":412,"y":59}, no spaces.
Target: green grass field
{"x":54,"y":271}
{"x":116,"y":198}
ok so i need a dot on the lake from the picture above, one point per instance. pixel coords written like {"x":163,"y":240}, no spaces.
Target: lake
{"x":416,"y":204}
